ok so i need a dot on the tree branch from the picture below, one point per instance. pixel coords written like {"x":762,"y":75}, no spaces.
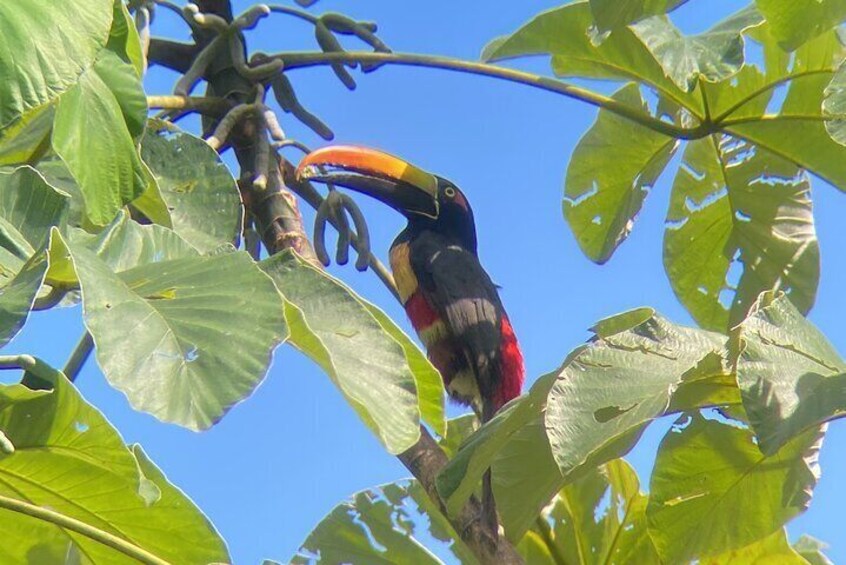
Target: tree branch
{"x":280,"y":225}
{"x":295,"y":60}
{"x":206,"y":105}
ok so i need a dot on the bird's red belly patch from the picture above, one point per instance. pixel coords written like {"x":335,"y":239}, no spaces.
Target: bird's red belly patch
{"x":513,"y":370}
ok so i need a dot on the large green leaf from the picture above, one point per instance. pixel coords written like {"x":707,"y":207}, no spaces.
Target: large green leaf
{"x":565,"y":33}
{"x":637,"y":359}
{"x":391,"y":387}
{"x":99,"y":150}
{"x":203,"y":329}
{"x":618,"y":384}
{"x":611,"y":14}
{"x":380,"y":526}
{"x":198,"y":189}
{"x":610,"y":173}
{"x":797,"y":132}
{"x":69,"y":459}
{"x":708,"y":473}
{"x":734,"y":202}
{"x":790,"y":376}
{"x":45,"y":47}
{"x":713,"y":56}
{"x":794,"y":22}
{"x":28,"y":207}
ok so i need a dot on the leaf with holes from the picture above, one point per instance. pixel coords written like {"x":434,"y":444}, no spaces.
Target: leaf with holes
{"x":714,"y":55}
{"x":197,"y":187}
{"x":391,"y":388}
{"x":378,"y":526}
{"x":790,"y":376}
{"x":611,"y":14}
{"x":797,"y":131}
{"x":736,"y":207}
{"x":638,"y":367}
{"x":203,"y":330}
{"x":68,"y":458}
{"x":708,"y":473}
{"x":617,"y":384}
{"x":610,"y":173}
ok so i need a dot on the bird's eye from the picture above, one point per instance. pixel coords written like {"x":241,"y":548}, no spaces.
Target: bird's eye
{"x":449,"y":192}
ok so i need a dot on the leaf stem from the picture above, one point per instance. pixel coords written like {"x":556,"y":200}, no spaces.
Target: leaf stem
{"x":118,"y":544}
{"x":545,"y":531}
{"x":79,"y":356}
{"x":30,"y":364}
{"x":296,"y":60}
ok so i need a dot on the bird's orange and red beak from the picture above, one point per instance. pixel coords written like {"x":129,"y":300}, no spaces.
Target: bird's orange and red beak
{"x":399,"y":184}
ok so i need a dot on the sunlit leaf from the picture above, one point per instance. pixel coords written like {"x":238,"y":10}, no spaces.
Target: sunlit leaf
{"x":708,"y":473}
{"x":739,"y":223}
{"x":797,"y":131}
{"x":99,"y":150}
{"x":68,"y":458}
{"x":772,"y":550}
{"x":794,"y":22}
{"x":713,"y":55}
{"x":610,"y":173}
{"x":617,"y":384}
{"x":203,"y":329}
{"x":198,"y":189}
{"x":377,"y":526}
{"x":811,"y":549}
{"x":790,"y":376}
{"x":28,"y":207}
{"x":45,"y":47}
{"x":611,"y":14}
{"x":393,"y":386}
{"x":577,"y":50}
{"x":601,"y":518}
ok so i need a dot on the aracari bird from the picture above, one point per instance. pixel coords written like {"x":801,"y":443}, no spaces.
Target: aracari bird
{"x":449,"y":297}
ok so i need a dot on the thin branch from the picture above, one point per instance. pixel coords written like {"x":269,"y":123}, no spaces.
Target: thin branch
{"x":66,"y":522}
{"x":79,"y":356}
{"x":209,"y":106}
{"x":295,"y":60}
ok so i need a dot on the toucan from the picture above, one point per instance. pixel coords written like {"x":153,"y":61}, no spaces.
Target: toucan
{"x":450,"y":299}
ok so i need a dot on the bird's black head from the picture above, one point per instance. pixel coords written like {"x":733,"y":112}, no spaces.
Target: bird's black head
{"x":428,"y":201}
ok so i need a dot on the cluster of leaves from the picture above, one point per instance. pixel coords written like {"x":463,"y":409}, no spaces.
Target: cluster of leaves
{"x":751,"y":125}
{"x":183,"y":322}
{"x":80,"y":164}
{"x":751,"y":411}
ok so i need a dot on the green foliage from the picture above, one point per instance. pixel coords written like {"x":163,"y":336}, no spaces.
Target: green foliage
{"x":68,"y":458}
{"x":139,"y":221}
{"x":378,"y":526}
{"x":393,"y":387}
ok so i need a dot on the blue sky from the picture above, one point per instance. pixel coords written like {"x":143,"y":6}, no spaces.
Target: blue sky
{"x":285,"y":457}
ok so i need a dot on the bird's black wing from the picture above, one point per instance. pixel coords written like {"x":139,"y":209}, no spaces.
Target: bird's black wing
{"x":454,"y":282}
